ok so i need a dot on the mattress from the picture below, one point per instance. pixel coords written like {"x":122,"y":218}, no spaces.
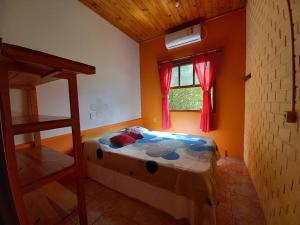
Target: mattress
{"x":178,"y":163}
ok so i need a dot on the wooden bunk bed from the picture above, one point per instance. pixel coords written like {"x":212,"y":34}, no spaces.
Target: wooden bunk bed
{"x":34,"y":172}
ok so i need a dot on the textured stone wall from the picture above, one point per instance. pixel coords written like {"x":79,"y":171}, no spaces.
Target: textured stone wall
{"x":272,"y":146}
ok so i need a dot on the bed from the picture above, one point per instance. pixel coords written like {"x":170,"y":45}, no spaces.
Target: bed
{"x":171,"y":171}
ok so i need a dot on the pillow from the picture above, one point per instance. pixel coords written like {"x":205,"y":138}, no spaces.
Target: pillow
{"x":136,"y":135}
{"x":122,"y":139}
{"x":135,"y":132}
{"x":142,"y":129}
{"x":106,"y":138}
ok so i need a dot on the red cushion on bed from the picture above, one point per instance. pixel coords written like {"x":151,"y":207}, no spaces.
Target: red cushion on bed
{"x":135,"y":135}
{"x":122,"y":139}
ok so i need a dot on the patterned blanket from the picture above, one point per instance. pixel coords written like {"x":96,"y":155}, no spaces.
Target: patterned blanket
{"x":180,"y":163}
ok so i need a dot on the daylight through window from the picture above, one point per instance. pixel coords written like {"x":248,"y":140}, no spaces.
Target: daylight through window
{"x":185,"y":93}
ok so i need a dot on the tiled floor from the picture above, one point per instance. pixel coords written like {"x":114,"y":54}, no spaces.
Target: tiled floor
{"x":238,"y":202}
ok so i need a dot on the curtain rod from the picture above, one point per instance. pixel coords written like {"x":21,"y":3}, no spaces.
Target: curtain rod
{"x":191,"y":56}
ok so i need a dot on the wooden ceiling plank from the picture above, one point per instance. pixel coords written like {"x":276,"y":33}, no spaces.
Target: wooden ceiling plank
{"x":139,"y":18}
{"x":186,"y":11}
{"x":193,"y":10}
{"x":147,"y":15}
{"x":174,"y":13}
{"x":152,"y":11}
{"x":122,"y":18}
{"x":171,"y":19}
{"x":143,"y":20}
{"x":159,"y":13}
{"x":103,"y":12}
{"x":200,"y":9}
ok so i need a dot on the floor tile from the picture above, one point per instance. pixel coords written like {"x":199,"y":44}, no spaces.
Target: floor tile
{"x":239,"y":204}
{"x":115,"y":219}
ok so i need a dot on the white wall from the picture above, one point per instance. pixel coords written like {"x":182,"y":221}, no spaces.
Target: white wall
{"x":69,"y":29}
{"x":20,"y":107}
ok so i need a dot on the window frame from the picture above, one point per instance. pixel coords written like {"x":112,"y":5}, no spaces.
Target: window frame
{"x":187,"y":62}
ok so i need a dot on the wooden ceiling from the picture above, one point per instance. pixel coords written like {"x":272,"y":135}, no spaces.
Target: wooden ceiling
{"x":146,"y":19}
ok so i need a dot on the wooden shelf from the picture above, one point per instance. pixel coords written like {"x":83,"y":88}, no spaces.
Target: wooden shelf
{"x":52,"y":204}
{"x":41,"y":165}
{"x":33,"y":169}
{"x":27,"y":124}
{"x":25,"y":80}
{"x":37,"y":62}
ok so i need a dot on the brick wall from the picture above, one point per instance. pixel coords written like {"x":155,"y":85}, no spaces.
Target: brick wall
{"x":272,"y":146}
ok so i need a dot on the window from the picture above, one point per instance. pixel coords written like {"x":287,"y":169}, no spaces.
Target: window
{"x":185,"y":93}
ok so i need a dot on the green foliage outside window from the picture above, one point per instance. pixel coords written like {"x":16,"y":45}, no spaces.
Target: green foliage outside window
{"x":185,"y":92}
{"x":189,"y":98}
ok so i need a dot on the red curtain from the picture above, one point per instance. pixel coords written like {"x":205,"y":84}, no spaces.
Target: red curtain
{"x":204,"y":69}
{"x":165,"y":74}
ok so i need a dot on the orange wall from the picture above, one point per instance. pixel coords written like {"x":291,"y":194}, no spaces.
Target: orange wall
{"x":228,"y":32}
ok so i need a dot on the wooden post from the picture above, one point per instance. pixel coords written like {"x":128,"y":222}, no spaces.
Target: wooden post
{"x":77,"y":147}
{"x":8,"y":210}
{"x":10,"y":155}
{"x":34,"y":112}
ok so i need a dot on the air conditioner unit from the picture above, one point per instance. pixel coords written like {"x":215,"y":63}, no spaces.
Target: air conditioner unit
{"x":183,"y":37}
